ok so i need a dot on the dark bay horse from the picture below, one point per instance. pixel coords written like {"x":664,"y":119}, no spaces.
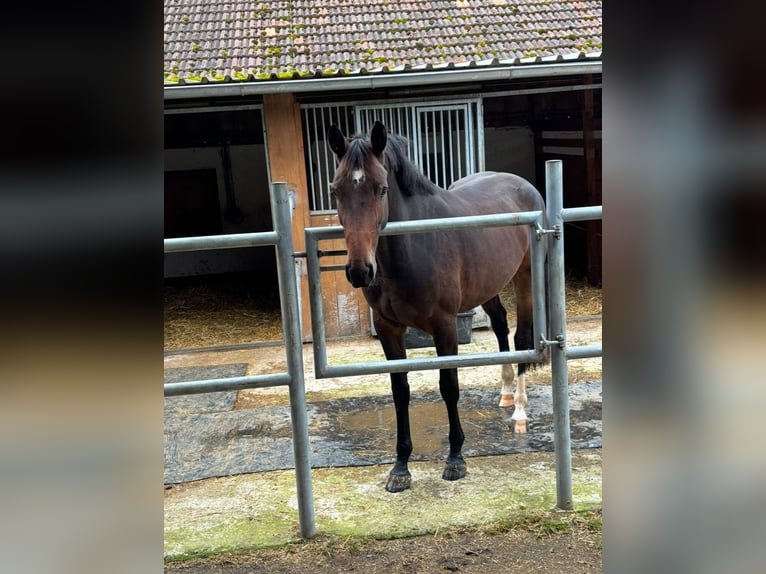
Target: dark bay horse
{"x":424,"y":280}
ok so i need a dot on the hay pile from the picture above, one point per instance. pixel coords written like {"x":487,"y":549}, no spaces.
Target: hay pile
{"x":582,"y":300}
{"x":199,"y":314}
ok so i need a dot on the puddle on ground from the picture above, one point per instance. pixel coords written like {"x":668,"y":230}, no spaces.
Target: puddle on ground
{"x":368,"y":428}
{"x":428,"y":425}
{"x":362,"y":431}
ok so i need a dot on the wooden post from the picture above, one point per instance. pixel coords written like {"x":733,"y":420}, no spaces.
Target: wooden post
{"x":592,"y":190}
{"x":284,"y":142}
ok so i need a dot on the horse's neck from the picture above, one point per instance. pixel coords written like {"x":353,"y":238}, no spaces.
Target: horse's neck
{"x":394,"y":250}
{"x":399,"y":206}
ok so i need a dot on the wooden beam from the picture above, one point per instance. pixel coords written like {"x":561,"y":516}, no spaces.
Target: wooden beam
{"x":284,"y":142}
{"x":592,"y":188}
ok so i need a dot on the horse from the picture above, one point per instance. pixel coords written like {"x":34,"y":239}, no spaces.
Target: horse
{"x":424,"y":280}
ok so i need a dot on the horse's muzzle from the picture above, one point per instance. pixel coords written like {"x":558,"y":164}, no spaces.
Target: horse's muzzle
{"x":360,"y":274}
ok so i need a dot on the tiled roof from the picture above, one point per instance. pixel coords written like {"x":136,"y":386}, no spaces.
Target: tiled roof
{"x":231,"y":40}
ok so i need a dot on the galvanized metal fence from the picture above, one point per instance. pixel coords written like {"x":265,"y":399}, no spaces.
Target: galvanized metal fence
{"x":281,"y":237}
{"x":555,"y":217}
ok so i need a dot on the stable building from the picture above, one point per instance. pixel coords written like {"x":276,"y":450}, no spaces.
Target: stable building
{"x":251,"y":89}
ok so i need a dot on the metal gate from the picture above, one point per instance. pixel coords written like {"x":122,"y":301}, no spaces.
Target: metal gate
{"x":555,"y":217}
{"x":281,"y":237}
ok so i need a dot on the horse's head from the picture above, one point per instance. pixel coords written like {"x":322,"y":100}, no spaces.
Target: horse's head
{"x":360,"y":189}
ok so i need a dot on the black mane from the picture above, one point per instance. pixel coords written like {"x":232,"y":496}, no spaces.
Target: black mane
{"x":411,"y":180}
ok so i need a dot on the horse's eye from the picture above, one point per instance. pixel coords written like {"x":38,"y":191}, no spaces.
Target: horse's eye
{"x":383,"y":191}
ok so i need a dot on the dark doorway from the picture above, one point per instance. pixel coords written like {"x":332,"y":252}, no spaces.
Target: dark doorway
{"x":191,"y":203}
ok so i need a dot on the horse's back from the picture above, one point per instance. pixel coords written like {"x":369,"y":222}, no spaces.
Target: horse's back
{"x":497,"y":192}
{"x":485,"y":260}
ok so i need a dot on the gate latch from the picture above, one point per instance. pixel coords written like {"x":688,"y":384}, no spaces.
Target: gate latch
{"x":539,"y":231}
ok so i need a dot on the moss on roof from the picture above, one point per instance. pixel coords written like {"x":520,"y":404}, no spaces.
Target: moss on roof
{"x":228,"y":40}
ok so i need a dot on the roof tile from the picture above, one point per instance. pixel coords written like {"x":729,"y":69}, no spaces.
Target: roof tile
{"x":217,"y":40}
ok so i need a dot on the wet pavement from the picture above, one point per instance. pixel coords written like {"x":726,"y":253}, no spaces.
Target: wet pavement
{"x":241,"y":444}
{"x":208,"y":436}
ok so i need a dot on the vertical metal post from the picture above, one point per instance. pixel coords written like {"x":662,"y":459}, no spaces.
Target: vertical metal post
{"x":559,"y":372}
{"x":539,"y":317}
{"x":288,"y":295}
{"x":315,"y":300}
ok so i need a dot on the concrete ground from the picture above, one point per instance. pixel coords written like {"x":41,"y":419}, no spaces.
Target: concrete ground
{"x":229,"y":483}
{"x":258,"y":510}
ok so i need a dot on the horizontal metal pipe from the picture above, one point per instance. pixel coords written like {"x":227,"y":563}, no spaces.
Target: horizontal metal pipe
{"x":231,"y":241}
{"x":226,"y":384}
{"x":442,"y":224}
{"x":581,"y":213}
{"x":320,"y":233}
{"x":426,"y":363}
{"x":383,"y":80}
{"x":339,"y":267}
{"x":584,"y":351}
{"x":465,"y":222}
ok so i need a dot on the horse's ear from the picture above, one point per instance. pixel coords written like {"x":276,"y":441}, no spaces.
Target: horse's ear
{"x":378,"y":138}
{"x":337,"y":141}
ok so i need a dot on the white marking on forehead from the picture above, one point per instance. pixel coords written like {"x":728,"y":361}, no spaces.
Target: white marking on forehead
{"x":358,"y":176}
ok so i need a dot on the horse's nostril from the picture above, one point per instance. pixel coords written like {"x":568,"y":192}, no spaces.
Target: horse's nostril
{"x":360,"y":275}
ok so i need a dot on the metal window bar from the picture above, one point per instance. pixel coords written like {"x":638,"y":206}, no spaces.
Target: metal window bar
{"x":444,"y":155}
{"x":556,"y":214}
{"x":458,"y":148}
{"x":282,"y":239}
{"x":478,"y":107}
{"x":320,"y":161}
{"x":461,"y":146}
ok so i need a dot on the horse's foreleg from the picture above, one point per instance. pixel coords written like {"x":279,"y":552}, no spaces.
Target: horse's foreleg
{"x":446,"y":344}
{"x":391,"y":338}
{"x":455,"y":467}
{"x":400,"y":478}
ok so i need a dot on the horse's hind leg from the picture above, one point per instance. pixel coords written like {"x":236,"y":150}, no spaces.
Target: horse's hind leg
{"x":445,"y":339}
{"x":498,"y":317}
{"x":523,"y":339}
{"x":391,"y":338}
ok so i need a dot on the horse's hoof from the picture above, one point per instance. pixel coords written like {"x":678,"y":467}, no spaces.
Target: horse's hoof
{"x":398,"y":482}
{"x":520,"y":427}
{"x":505,"y":401}
{"x":454,"y":470}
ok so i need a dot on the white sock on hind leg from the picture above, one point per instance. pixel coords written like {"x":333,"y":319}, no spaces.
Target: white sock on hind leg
{"x":520,"y":404}
{"x":506,"y":390}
